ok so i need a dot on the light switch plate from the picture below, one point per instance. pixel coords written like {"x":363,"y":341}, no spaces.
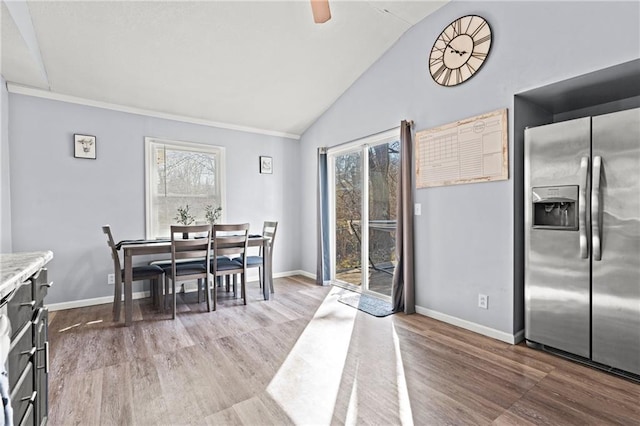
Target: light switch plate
{"x":417,"y":209}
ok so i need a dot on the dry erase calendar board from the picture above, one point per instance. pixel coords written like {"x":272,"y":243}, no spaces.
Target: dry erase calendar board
{"x":471,"y":150}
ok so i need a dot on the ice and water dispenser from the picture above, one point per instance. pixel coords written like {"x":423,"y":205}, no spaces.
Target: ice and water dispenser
{"x":555,"y":207}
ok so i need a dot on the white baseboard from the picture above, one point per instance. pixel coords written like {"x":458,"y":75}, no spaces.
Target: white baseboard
{"x":468,"y":325}
{"x":472,"y":326}
{"x":142,"y":294}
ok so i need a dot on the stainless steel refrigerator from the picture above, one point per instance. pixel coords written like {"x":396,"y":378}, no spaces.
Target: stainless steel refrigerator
{"x":582,"y":239}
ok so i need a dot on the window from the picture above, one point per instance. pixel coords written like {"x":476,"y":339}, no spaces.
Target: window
{"x":181,"y":174}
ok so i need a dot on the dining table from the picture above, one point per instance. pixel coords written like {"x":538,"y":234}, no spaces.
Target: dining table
{"x":131,"y":248}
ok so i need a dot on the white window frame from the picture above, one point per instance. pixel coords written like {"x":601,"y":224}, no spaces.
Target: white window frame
{"x":149,"y":142}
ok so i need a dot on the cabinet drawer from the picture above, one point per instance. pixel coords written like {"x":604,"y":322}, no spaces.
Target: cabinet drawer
{"x":20,"y":354}
{"x":23,"y":395}
{"x":20,"y":307}
{"x":40,"y":284}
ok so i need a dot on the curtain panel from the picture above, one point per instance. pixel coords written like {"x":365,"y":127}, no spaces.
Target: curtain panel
{"x":323,"y":259}
{"x":403,"y":288}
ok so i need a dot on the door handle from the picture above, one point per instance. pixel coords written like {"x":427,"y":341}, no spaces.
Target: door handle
{"x":582,"y":207}
{"x":595,"y":209}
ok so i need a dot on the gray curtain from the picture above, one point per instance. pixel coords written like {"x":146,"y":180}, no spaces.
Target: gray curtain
{"x":403,"y":290}
{"x":322,"y":271}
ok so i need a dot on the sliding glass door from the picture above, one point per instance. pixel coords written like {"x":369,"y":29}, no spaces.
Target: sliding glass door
{"x":364,"y":183}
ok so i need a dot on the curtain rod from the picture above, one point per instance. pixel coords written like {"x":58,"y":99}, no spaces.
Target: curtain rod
{"x":365,"y":137}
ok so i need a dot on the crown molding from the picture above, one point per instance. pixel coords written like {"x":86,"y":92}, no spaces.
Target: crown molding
{"x":40,"y":93}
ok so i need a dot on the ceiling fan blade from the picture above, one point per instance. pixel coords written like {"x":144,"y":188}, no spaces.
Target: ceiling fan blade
{"x":321,"y":12}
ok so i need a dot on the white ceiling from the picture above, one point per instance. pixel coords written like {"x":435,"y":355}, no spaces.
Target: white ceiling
{"x":261,"y":64}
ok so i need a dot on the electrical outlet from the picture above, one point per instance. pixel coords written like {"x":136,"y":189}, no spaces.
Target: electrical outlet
{"x":483,"y":301}
{"x":111,"y":278}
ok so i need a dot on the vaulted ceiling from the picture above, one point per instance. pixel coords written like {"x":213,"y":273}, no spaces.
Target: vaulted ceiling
{"x":261,"y":64}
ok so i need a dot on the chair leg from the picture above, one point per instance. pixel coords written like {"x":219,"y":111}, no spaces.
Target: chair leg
{"x":260,"y":275}
{"x":235,"y":284}
{"x":117,"y":300}
{"x":215,"y":292}
{"x":199,"y":290}
{"x":243,"y":290}
{"x":173,"y":316}
{"x":166,"y":294}
{"x":208,"y":291}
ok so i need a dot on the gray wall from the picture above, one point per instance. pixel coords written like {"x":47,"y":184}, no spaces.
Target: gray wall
{"x":59,"y":202}
{"x":5,"y":195}
{"x":464,"y":240}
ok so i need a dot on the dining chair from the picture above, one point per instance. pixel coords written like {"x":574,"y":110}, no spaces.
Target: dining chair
{"x":153,"y":273}
{"x":269,"y":231}
{"x":230,"y":240}
{"x":189,"y":242}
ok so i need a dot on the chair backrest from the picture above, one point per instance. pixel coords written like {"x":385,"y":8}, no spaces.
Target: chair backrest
{"x":269,"y":230}
{"x":196,"y":247}
{"x":114,"y":252}
{"x":231,"y":239}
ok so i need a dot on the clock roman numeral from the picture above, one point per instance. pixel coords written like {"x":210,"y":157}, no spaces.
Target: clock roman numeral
{"x":447,"y":77}
{"x":482,"y":40}
{"x":457,"y":27}
{"x":458,"y":76}
{"x":438,"y":72}
{"x":479,"y":55}
{"x":477,"y":30}
{"x":472,"y":70}
{"x":434,"y":61}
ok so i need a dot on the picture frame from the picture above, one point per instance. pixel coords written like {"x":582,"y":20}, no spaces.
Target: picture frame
{"x":266,"y":165}
{"x":84,"y":146}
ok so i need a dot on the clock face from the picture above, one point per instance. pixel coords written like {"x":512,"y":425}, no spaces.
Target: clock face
{"x":460,"y":50}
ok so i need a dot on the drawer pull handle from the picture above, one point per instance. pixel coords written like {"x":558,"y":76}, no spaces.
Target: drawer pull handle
{"x":31,"y":398}
{"x":29,"y":352}
{"x":32,"y":303}
{"x":48,"y":285}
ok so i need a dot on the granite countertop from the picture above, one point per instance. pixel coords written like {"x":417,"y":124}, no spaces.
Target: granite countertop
{"x":15,"y":268}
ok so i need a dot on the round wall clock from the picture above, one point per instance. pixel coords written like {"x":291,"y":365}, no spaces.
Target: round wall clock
{"x":460,"y":50}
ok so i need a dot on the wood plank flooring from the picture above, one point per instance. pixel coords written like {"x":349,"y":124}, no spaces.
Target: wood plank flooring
{"x":250,"y":365}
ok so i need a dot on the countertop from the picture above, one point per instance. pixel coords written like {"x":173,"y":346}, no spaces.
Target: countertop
{"x":15,"y":268}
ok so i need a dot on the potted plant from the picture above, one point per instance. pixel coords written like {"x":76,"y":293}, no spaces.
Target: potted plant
{"x":184,"y":217}
{"x":212,"y":215}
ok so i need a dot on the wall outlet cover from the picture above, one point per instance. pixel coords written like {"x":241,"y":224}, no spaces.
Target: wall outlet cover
{"x":483,"y":301}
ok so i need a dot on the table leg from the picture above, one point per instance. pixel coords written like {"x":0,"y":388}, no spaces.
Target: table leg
{"x":128,"y":291}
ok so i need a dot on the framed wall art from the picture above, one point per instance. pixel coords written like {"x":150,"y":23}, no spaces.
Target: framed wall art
{"x":266,"y":164}
{"x":84,"y":146}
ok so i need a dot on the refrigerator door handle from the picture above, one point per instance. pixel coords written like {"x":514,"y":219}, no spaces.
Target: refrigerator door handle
{"x":595,"y":208}
{"x":582,"y":207}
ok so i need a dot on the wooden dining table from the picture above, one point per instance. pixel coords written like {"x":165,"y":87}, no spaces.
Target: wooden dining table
{"x":133,"y":248}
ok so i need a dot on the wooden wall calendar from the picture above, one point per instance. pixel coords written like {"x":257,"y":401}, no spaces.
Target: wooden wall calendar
{"x":471,"y":150}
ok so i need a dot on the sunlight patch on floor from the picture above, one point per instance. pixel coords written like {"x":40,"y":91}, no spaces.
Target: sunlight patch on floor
{"x":404,"y":404}
{"x":352,"y":410}
{"x":307,"y":384}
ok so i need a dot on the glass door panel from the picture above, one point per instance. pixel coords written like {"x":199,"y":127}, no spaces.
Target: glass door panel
{"x":384,"y":162}
{"x":348,"y":214}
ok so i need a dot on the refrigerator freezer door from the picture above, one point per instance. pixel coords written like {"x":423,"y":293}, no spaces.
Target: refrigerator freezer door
{"x":616,"y":277}
{"x":557,"y":290}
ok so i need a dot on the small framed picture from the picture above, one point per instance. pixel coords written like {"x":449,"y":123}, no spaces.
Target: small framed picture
{"x":266,"y":164}
{"x":84,"y":146}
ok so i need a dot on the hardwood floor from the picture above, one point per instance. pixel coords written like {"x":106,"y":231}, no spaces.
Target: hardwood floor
{"x":305,"y":358}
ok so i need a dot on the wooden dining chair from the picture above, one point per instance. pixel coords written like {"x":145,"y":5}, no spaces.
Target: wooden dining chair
{"x":153,"y":273}
{"x":230,"y":240}
{"x":269,"y":229}
{"x":189,"y":242}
